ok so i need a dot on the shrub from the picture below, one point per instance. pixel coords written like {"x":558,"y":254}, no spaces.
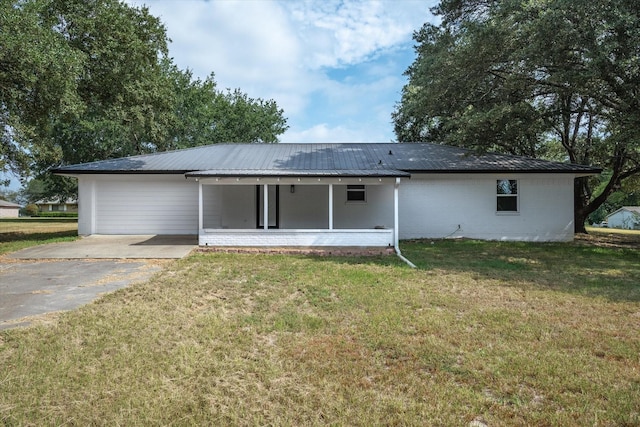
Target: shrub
{"x":58,"y":214}
{"x":31,"y":210}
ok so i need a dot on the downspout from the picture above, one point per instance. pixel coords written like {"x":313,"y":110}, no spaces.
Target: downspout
{"x":396,"y":238}
{"x":200,"y":210}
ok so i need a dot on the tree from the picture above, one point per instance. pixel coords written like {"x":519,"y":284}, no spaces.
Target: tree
{"x":627,"y":195}
{"x":528,"y":78}
{"x":205,"y":115}
{"x":127,"y":105}
{"x":38,"y":72}
{"x":80,"y":80}
{"x":86,"y":80}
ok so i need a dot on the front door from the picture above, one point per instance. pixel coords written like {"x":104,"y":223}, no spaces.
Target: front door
{"x":274,"y":206}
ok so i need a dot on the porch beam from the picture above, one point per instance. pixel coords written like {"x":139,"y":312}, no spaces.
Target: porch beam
{"x":296,"y":181}
{"x":330,"y":206}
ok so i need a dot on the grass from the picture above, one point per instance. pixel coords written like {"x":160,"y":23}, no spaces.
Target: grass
{"x":502,"y":333}
{"x":614,"y":231}
{"x":16,"y":234}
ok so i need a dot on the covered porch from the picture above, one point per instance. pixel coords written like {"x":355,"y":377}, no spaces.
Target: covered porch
{"x":319,"y":211}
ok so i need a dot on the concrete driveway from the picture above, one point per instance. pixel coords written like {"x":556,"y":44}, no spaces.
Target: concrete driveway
{"x":64,"y":276}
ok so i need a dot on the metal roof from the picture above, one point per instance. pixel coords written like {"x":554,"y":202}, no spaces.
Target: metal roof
{"x":352,"y":159}
{"x":7,"y":204}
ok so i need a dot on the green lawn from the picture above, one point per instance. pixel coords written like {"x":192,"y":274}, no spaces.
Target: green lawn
{"x":20,"y":233}
{"x":502,"y":333}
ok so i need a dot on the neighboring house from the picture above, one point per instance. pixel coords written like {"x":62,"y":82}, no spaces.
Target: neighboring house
{"x":9,"y":209}
{"x":327,"y":195}
{"x":626,"y":217}
{"x":56,"y":205}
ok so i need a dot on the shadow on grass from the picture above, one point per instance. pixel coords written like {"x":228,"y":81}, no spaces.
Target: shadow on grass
{"x":39,"y":220}
{"x":585,"y":269}
{"x":45,"y":237}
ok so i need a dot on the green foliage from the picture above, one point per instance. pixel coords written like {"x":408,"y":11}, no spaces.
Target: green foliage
{"x":38,"y":72}
{"x":90,"y":80}
{"x":529,"y":77}
{"x":204,"y":115}
{"x":58,"y":214}
{"x":33,"y":190}
{"x":10,"y":196}
{"x":31,"y":210}
{"x":244,"y":119}
{"x":628,"y":194}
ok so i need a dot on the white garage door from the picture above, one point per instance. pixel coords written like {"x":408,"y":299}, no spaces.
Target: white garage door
{"x":159,"y":204}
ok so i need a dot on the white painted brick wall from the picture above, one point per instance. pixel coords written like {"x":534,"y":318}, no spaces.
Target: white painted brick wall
{"x":360,"y":238}
{"x":432,"y":206}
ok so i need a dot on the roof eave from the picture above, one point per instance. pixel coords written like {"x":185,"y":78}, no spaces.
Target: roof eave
{"x":503,"y":171}
{"x":74,"y":172}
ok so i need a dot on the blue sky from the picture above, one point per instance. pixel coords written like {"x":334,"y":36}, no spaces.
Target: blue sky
{"x":335,"y":66}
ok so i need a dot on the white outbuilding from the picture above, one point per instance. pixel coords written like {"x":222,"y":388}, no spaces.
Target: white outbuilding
{"x":627,"y":217}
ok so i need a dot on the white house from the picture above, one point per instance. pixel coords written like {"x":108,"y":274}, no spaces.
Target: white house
{"x":327,"y":195}
{"x":57,"y":205}
{"x":626,"y":217}
{"x":9,"y":209}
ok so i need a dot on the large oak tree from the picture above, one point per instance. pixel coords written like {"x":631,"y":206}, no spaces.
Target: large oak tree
{"x":85,"y":80}
{"x":555,"y":79}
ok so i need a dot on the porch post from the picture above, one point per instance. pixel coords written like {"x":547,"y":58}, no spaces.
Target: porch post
{"x":200,"y":209}
{"x":265,"y":215}
{"x":330,"y":206}
{"x":396,"y":238}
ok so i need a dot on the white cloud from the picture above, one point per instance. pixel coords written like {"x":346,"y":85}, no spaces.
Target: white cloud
{"x":343,"y":33}
{"x":293,"y":52}
{"x":325,"y":133}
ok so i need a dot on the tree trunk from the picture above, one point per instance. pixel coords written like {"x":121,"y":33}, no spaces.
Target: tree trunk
{"x":580,"y":203}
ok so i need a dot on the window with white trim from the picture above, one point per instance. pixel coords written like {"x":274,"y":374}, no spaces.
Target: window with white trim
{"x":507,"y":195}
{"x":356,"y":193}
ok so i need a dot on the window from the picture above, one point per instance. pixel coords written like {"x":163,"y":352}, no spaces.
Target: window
{"x":507,"y":195}
{"x":356,"y":193}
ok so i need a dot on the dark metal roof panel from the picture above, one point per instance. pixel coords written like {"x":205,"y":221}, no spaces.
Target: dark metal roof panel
{"x":299,"y":159}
